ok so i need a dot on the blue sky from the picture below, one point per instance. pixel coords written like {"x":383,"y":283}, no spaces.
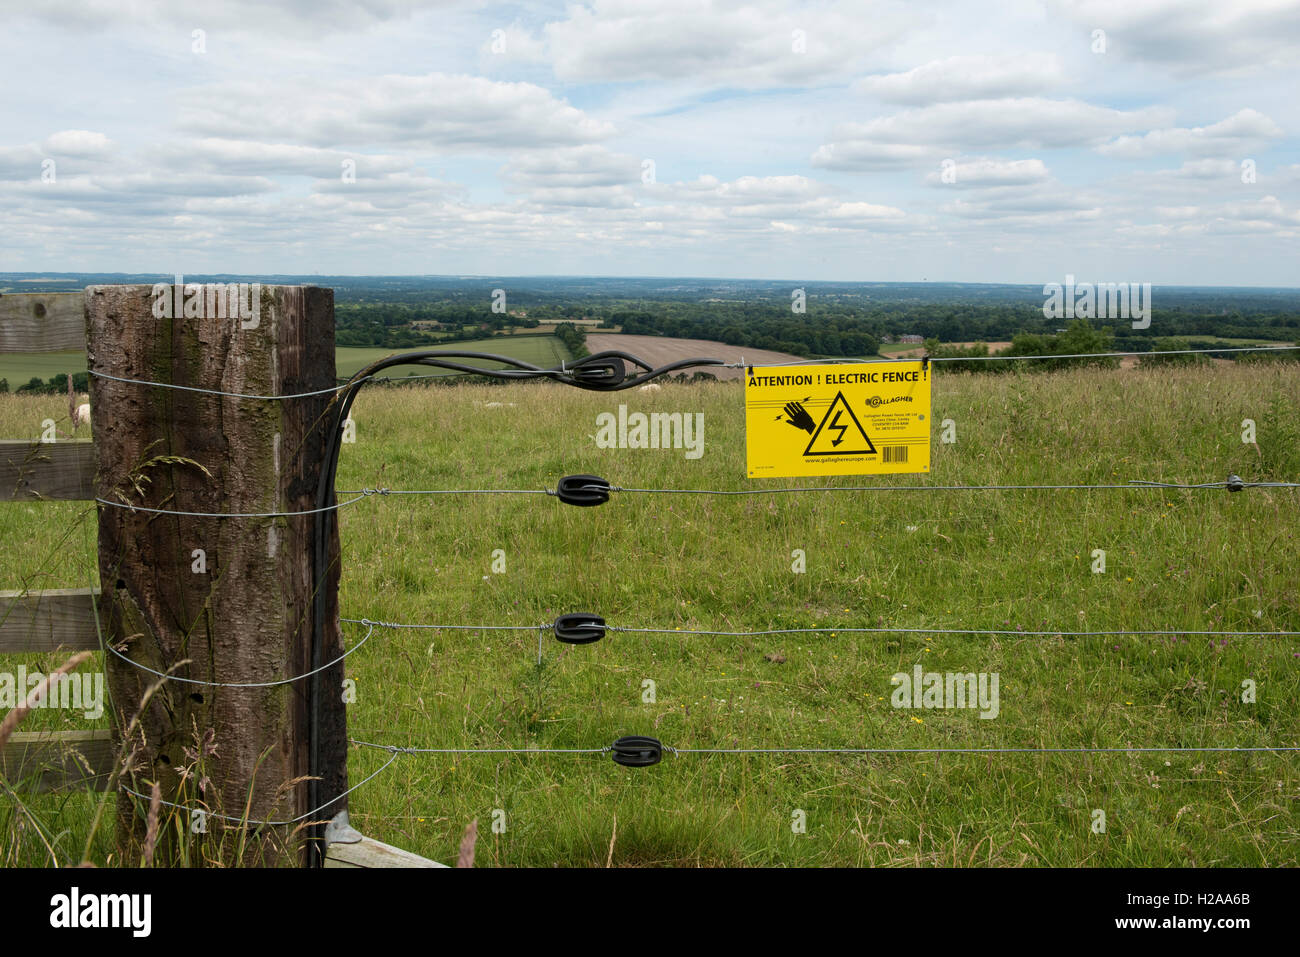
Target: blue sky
{"x":976,"y":142}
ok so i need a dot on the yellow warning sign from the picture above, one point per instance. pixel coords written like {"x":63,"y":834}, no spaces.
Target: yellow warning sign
{"x":866,"y":419}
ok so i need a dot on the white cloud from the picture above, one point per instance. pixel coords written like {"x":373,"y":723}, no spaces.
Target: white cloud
{"x":966,"y":78}
{"x":510,"y":46}
{"x":989,"y":172}
{"x":748,"y":190}
{"x":83,"y":144}
{"x":1243,"y":131}
{"x":530,"y":160}
{"x":21,"y":162}
{"x":434,"y":111}
{"x":861,"y":154}
{"x":1047,"y":204}
{"x":1208,"y":169}
{"x":270,"y":159}
{"x":745,"y":43}
{"x":589,"y":176}
{"x":576,"y":166}
{"x":311,"y":18}
{"x":1020,"y":123}
{"x":864,"y":212}
{"x":1191,"y":37}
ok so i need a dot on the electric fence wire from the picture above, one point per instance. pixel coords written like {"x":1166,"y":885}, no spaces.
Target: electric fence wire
{"x":1232,"y":484}
{"x":968,"y":632}
{"x":310,"y":815}
{"x":247,"y":684}
{"x":604,"y":371}
{"x":1171,"y":749}
{"x":519,"y":369}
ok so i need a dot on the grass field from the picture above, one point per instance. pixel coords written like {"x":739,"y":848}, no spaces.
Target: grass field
{"x":18,"y":368}
{"x":1175,"y":559}
{"x":539,"y":350}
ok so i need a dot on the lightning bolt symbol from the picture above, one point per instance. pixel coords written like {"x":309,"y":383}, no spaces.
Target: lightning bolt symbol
{"x":835,"y":424}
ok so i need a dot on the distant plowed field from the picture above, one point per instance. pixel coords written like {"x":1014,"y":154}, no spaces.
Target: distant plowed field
{"x":658,"y":350}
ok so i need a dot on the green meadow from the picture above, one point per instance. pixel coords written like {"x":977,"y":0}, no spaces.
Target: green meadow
{"x":1182,"y":560}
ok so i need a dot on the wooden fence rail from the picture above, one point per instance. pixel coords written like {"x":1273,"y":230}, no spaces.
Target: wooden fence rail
{"x":42,"y":322}
{"x":55,"y":619}
{"x":47,"y":470}
{"x":44,"y":761}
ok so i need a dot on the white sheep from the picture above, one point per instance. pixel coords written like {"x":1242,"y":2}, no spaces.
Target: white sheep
{"x":82,"y":416}
{"x":650,"y":387}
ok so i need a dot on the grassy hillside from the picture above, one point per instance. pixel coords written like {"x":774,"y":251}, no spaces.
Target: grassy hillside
{"x":1176,"y":559}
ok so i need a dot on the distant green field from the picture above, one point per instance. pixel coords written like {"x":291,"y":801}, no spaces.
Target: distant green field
{"x":19,"y":367}
{"x":539,"y":350}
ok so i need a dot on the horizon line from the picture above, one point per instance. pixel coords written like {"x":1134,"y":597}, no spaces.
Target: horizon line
{"x":571,"y":276}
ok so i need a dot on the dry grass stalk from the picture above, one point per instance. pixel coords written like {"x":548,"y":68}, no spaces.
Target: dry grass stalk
{"x":466,"y":856}
{"x":15,"y":716}
{"x":151,"y":824}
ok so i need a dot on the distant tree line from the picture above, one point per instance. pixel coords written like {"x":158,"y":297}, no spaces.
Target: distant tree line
{"x":1081,"y":338}
{"x":832,"y":326}
{"x":54,"y":385}
{"x":574,"y":338}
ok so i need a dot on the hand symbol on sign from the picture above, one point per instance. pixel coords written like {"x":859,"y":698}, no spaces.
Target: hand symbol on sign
{"x":799,"y":417}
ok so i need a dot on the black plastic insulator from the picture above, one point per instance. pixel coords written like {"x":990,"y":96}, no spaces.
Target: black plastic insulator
{"x":1235,"y":484}
{"x":637,"y":751}
{"x":583,"y":490}
{"x":579,"y":628}
{"x":598,"y":373}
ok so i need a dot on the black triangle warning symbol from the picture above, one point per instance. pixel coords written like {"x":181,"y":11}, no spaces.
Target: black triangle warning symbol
{"x":840,"y":432}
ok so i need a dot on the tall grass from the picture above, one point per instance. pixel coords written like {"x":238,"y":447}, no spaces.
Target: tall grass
{"x":1175,"y":559}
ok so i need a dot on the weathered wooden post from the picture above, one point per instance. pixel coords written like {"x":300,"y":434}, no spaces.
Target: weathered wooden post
{"x":230,"y":596}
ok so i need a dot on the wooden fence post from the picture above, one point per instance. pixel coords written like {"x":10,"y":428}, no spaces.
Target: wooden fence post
{"x":231,"y":596}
